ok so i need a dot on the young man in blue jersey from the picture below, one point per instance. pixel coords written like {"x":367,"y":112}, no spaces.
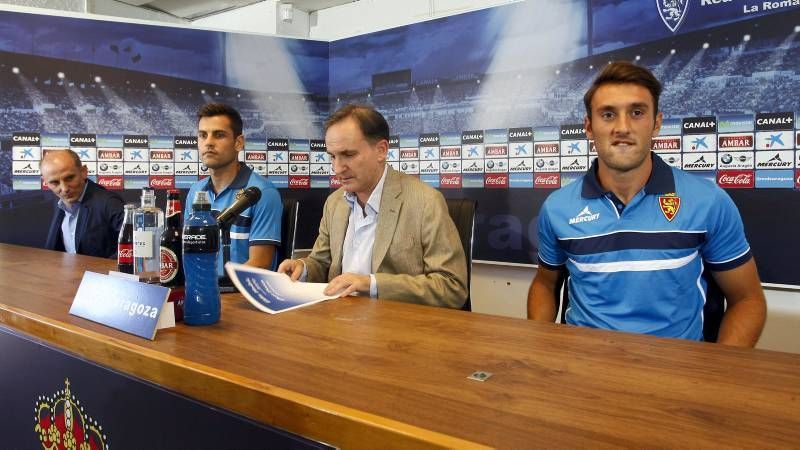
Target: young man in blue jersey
{"x":257,"y":230}
{"x":635,"y":235}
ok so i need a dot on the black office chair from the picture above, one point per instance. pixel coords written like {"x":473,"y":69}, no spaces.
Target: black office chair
{"x":713,"y":310}
{"x":288,"y":228}
{"x":462,"y":211}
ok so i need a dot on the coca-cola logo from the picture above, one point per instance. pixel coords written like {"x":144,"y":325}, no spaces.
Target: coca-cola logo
{"x":547,"y":180}
{"x":110,"y":182}
{"x":336,"y":182}
{"x":125,"y":254}
{"x":797,"y":180}
{"x":736,"y":179}
{"x":495,"y":181}
{"x":450,"y":181}
{"x":300,"y":182}
{"x":162,"y":182}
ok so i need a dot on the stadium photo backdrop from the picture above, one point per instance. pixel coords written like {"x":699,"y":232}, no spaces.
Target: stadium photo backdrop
{"x":486,"y":105}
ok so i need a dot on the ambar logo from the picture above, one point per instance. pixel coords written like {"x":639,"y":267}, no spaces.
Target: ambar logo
{"x":736,"y":141}
{"x":109,"y":154}
{"x":161,"y":155}
{"x":255,"y":156}
{"x":670,"y":143}
{"x":546,"y":148}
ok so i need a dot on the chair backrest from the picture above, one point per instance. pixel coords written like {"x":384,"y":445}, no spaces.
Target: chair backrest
{"x":462,"y":211}
{"x":288,"y":228}
{"x":713,"y":310}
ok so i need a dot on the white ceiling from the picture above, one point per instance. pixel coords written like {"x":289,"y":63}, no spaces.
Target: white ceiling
{"x":194,"y":9}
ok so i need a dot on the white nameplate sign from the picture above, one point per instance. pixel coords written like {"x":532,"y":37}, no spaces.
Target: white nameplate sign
{"x":120,"y":303}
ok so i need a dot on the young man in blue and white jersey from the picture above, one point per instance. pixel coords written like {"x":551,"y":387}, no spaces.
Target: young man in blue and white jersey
{"x":257,"y":230}
{"x":635,"y":234}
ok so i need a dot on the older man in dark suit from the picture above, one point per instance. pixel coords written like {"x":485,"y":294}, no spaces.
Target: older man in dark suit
{"x":87,"y":218}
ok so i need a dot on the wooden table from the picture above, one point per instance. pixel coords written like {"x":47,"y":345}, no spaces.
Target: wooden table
{"x":364,"y":374}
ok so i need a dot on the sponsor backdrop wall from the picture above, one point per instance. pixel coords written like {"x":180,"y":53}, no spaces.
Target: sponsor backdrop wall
{"x":485,"y":105}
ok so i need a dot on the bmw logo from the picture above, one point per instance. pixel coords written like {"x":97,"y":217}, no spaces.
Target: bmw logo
{"x":540,"y":163}
{"x":445,"y":165}
{"x":490,"y":164}
{"x":727,"y":158}
{"x":104,"y":167}
{"x":156,"y":167}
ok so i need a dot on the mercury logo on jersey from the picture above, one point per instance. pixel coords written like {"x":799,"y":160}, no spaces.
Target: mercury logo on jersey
{"x":584,"y":216}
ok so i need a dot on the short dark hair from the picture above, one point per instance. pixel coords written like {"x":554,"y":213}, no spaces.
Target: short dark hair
{"x":619,"y":72}
{"x":221,"y":109}
{"x":372,"y":124}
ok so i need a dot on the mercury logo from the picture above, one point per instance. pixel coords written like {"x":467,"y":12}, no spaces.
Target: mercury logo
{"x":584,"y":216}
{"x":775,"y":161}
{"x":700,"y":163}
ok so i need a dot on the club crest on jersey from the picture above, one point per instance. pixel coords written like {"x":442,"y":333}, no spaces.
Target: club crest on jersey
{"x":670,"y":204}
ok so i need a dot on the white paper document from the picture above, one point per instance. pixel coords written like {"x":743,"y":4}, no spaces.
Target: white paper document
{"x":274,"y":292}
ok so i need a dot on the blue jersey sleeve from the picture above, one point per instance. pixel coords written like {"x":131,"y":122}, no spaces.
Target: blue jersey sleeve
{"x":551,"y":255}
{"x":725,"y":247}
{"x":266,"y":218}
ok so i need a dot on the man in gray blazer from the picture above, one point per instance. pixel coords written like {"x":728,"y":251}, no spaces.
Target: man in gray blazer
{"x":383,"y":233}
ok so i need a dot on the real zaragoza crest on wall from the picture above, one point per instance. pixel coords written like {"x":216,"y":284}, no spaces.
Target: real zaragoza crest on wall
{"x":62,"y":423}
{"x":672,"y":12}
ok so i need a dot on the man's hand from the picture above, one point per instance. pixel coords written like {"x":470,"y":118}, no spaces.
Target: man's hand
{"x":348,"y":283}
{"x":292,"y":267}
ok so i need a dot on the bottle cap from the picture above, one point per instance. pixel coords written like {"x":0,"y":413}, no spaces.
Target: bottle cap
{"x":201,"y":200}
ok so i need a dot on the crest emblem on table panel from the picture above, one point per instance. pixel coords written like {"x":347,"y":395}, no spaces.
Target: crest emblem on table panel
{"x":62,"y":422}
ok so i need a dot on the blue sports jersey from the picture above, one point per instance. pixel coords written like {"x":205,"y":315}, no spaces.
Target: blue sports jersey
{"x":259,"y":224}
{"x":638,"y":267}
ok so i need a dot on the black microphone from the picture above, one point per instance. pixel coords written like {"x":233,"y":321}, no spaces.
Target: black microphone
{"x":245,"y":199}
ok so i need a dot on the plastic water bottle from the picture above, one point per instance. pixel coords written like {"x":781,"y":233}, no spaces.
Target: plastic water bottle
{"x":200,"y":249}
{"x":148,"y":225}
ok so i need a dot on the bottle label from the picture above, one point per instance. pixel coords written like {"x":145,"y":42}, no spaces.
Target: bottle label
{"x":169,"y":265}
{"x":142,"y":244}
{"x":125,"y":254}
{"x":200,"y":239}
